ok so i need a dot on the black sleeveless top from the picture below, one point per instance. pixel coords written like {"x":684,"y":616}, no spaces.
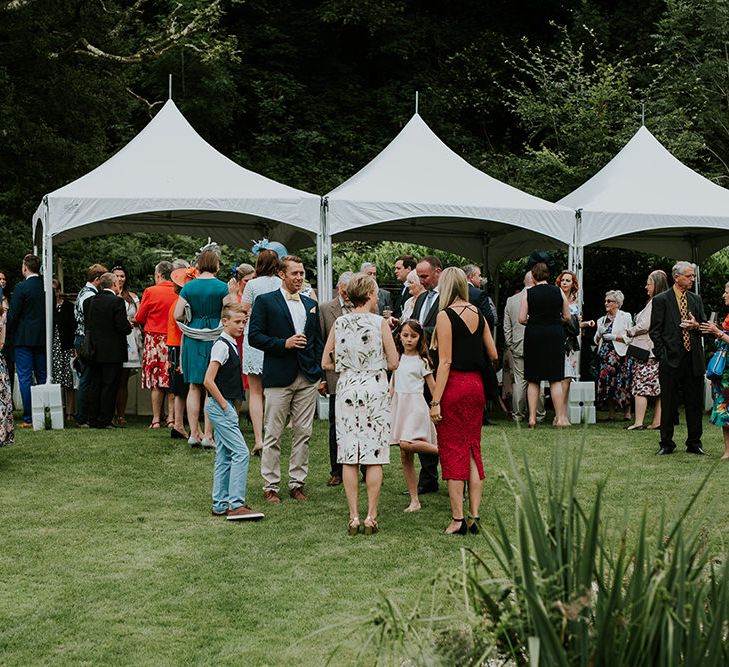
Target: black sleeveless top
{"x":467,"y":352}
{"x":229,"y":379}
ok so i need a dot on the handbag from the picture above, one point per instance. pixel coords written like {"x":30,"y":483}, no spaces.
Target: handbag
{"x":638,"y":353}
{"x":717,"y":364}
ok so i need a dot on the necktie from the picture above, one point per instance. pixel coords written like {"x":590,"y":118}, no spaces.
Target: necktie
{"x":426,"y":306}
{"x":684,"y":316}
{"x":292,"y":297}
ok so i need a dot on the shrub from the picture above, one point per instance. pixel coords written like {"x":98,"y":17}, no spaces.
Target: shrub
{"x":562,"y":591}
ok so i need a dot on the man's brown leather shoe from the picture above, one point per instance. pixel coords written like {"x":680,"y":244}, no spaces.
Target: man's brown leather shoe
{"x":272,"y":497}
{"x":334,"y":480}
{"x":297,"y":493}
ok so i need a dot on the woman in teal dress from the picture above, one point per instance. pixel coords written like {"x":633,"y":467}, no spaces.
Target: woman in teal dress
{"x":720,"y":409}
{"x":204,"y":296}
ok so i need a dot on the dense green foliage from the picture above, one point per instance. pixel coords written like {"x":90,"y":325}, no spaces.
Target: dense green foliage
{"x":539,"y":94}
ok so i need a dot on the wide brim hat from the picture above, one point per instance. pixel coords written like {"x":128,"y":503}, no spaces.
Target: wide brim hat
{"x":183,"y":276}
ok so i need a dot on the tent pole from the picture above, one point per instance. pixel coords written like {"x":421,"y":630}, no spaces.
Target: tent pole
{"x":486,"y":241}
{"x":48,"y":287}
{"x":323,"y":254}
{"x":695,"y":260}
{"x":571,"y":256}
{"x":578,"y":257}
{"x":496,"y":293}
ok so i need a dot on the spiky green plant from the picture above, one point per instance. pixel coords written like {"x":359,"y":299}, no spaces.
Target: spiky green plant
{"x":562,"y":591}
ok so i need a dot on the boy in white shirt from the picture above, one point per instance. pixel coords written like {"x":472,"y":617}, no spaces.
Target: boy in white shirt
{"x":224,"y":384}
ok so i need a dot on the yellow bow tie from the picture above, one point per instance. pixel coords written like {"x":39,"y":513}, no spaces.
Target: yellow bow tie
{"x":292,"y":297}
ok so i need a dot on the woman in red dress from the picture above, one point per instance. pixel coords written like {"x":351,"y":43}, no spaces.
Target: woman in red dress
{"x":463,"y":342}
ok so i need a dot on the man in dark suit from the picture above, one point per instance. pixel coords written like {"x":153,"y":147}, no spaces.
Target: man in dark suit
{"x":404,"y":264}
{"x":425,"y":311}
{"x":328,"y":313}
{"x":677,"y":344}
{"x":27,"y":329}
{"x":106,"y":323}
{"x":285,"y":325}
{"x":478,"y":297}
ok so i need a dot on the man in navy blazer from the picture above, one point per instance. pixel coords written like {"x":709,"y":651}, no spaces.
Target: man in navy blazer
{"x":27,"y":330}
{"x":285,"y":325}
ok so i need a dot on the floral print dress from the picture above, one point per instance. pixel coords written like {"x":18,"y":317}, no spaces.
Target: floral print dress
{"x":616,"y":374}
{"x":363,"y":397}
{"x":720,"y":390}
{"x":7,"y":427}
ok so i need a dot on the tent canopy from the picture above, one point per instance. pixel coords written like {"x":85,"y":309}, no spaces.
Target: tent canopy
{"x":645,"y":199}
{"x":168,"y":179}
{"x":418,"y":190}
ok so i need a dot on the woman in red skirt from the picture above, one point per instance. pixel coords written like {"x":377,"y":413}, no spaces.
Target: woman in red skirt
{"x":464,"y":342}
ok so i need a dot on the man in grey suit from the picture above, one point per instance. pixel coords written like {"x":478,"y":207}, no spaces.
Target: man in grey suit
{"x":384,"y":298}
{"x":328,"y":313}
{"x":514,"y":341}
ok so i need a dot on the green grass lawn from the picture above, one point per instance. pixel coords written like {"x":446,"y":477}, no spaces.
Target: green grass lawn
{"x":109,"y":554}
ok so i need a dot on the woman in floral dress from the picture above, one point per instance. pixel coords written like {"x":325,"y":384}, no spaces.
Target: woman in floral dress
{"x":361,"y":348}
{"x":616,"y":368}
{"x":64,"y":328}
{"x":7,"y":427}
{"x":720,"y":409}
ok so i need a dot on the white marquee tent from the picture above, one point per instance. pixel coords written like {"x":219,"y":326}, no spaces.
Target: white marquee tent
{"x":168,"y":179}
{"x":418,"y":190}
{"x":645,"y":199}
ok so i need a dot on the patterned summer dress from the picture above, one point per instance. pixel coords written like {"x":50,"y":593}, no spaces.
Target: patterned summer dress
{"x":252,"y":361}
{"x":720,"y":390}
{"x":616,"y":374}
{"x":363,"y":397}
{"x":134,"y":338}
{"x":7,"y":426}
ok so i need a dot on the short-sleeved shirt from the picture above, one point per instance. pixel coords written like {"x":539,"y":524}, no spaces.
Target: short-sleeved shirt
{"x":410,"y":373}
{"x":221,"y":351}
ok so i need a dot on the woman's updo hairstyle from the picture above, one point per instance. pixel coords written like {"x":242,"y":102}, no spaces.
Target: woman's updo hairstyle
{"x":360,"y":289}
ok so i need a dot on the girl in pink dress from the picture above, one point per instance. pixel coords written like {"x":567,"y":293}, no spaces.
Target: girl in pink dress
{"x":412,"y":427}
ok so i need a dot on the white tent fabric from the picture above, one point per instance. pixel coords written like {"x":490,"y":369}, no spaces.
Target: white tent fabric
{"x":418,"y":190}
{"x":645,"y":199}
{"x":168,"y":179}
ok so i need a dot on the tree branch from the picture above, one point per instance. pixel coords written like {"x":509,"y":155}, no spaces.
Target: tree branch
{"x":12,"y":5}
{"x":172,"y":36}
{"x":150,"y":105}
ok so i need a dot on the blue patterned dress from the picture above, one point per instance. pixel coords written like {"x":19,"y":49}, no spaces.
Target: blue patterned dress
{"x":720,"y":390}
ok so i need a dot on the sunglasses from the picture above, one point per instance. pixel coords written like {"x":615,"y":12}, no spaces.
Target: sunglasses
{"x":610,"y":301}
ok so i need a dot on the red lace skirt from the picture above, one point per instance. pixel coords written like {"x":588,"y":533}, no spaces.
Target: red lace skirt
{"x":459,"y":431}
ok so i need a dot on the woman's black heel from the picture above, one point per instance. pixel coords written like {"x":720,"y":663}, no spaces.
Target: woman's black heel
{"x":462,"y":529}
{"x":475,"y":527}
